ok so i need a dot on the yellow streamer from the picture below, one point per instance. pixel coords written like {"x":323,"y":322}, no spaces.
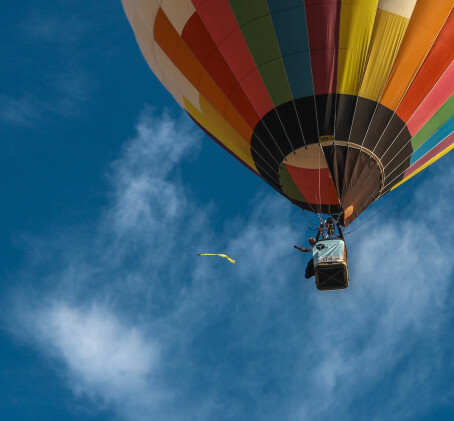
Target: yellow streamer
{"x":220,"y":255}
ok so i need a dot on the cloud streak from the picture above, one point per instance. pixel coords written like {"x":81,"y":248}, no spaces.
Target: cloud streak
{"x":47,"y":68}
{"x":203,"y":339}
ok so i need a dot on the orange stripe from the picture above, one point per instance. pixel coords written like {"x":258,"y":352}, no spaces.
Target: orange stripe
{"x":438,"y":60}
{"x":425,"y":24}
{"x":199,"y":40}
{"x":176,"y":49}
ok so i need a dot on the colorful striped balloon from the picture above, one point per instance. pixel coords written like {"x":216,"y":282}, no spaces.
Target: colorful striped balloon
{"x":332,"y":102}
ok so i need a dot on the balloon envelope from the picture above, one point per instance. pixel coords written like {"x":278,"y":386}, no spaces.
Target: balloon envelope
{"x":332,"y":102}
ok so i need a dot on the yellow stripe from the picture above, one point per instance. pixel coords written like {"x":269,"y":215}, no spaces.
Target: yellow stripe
{"x":387,"y":36}
{"x":212,"y":121}
{"x":423,"y":167}
{"x":356,"y":23}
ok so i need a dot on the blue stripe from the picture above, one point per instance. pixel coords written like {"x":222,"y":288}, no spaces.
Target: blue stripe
{"x":289,"y":20}
{"x":277,"y":5}
{"x":442,"y":133}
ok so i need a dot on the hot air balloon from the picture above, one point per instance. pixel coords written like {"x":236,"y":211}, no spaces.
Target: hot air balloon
{"x":332,"y":102}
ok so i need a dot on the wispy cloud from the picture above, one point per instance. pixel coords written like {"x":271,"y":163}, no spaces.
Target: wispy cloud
{"x":46,"y":56}
{"x":18,"y":112}
{"x":203,"y":339}
{"x":53,"y":28}
{"x":65,"y":91}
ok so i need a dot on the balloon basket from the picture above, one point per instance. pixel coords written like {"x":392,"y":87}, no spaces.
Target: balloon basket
{"x":329,"y":276}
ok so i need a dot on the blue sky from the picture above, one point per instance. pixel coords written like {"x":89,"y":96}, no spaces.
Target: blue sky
{"x":109,"y":192}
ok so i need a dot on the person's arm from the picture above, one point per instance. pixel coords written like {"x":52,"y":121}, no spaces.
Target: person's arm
{"x":341,"y":234}
{"x":320,"y":232}
{"x":302,"y":249}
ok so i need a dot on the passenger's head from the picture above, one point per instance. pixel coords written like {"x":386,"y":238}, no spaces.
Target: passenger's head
{"x":312,"y":241}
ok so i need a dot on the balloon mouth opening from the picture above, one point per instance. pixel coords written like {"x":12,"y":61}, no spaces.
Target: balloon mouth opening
{"x":313,"y":178}
{"x":301,"y":170}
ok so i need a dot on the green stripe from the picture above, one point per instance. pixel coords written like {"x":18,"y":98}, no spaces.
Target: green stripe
{"x":257,"y":27}
{"x":288,"y":185}
{"x":249,"y":10}
{"x":437,"y":120}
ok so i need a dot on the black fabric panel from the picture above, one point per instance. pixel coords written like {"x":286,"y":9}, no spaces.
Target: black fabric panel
{"x":356,"y":176}
{"x":355,"y":169}
{"x":363,"y":188}
{"x":262,"y":152}
{"x":364,"y":112}
{"x":384,"y":128}
{"x":335,"y":157}
{"x":325,"y":114}
{"x":289,"y":118}
{"x":396,"y":176}
{"x":266,"y":169}
{"x":264,"y":147}
{"x":308,"y":118}
{"x":398,"y":166}
{"x":344,"y":116}
{"x":401,"y":142}
{"x":382,"y":124}
{"x":271,"y":134}
{"x":270,"y":140}
{"x":351,"y":158}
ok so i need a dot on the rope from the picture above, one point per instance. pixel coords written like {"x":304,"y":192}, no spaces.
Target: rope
{"x":319,"y":188}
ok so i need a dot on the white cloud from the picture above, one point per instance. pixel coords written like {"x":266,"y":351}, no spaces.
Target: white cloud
{"x":18,"y":112}
{"x":367,"y":338}
{"x":104,"y":356}
{"x":204,"y":339}
{"x":146,"y":194}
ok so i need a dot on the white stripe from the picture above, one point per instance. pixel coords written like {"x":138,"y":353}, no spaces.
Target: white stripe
{"x":402,"y":8}
{"x":178,"y":12}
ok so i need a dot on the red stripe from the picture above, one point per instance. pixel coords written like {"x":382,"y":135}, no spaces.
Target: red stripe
{"x":437,"y":97}
{"x":322,"y":18}
{"x":446,"y":143}
{"x":219,"y":20}
{"x":202,"y":45}
{"x":308,"y":181}
{"x":438,"y":60}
